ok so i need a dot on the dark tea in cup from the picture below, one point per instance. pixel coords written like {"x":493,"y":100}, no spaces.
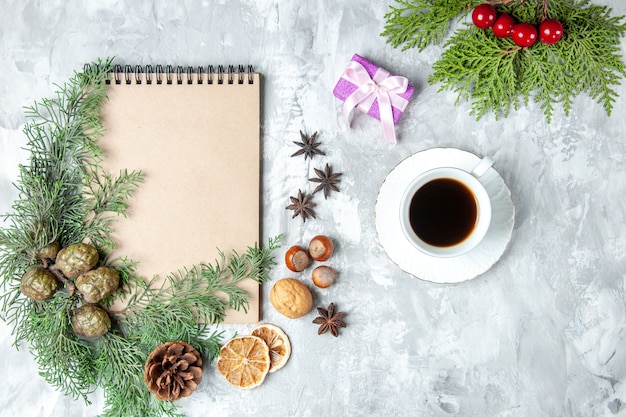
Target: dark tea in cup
{"x":446,"y":211}
{"x":443,"y":212}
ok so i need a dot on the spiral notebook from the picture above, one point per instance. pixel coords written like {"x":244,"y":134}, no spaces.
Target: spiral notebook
{"x":194,"y":133}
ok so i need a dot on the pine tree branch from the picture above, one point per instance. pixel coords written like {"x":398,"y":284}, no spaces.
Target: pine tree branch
{"x":65,"y":197}
{"x":64,"y":361}
{"x":496,"y":76}
{"x":476,"y":66}
{"x":200,"y":294}
{"x":419,"y":23}
{"x":120,"y":365}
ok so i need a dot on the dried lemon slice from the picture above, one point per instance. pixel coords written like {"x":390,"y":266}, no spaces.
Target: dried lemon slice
{"x":278,"y":343}
{"x":244,"y":361}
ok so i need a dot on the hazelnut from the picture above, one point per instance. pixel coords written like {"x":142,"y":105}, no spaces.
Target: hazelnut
{"x":321,"y":248}
{"x":297,"y":258}
{"x":323,"y":276}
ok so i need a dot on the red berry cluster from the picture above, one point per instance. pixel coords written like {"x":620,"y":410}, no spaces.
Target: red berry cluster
{"x":523,"y":34}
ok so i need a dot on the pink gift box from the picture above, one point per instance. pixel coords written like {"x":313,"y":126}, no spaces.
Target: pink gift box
{"x":344,"y":88}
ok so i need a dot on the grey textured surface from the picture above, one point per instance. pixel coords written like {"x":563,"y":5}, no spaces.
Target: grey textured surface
{"x":539,"y":334}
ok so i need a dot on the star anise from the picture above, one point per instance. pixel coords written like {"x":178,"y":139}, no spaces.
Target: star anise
{"x":327,"y":180}
{"x":329,"y":320}
{"x":302,"y":206}
{"x":308,"y":146}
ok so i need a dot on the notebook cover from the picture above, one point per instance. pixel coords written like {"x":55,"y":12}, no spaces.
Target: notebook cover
{"x":198,"y":146}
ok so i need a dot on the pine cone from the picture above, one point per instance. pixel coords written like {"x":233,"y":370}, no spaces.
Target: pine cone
{"x":49,"y":251}
{"x":173,"y":370}
{"x":90,"y":321}
{"x":76,"y":259}
{"x":38,"y":284}
{"x":98,"y":284}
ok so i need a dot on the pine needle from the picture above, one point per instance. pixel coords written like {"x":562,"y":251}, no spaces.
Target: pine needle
{"x":64,"y":196}
{"x":64,"y":360}
{"x":419,"y":23}
{"x":496,"y":75}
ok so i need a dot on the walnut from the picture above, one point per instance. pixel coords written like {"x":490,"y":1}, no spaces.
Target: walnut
{"x":291,"y":298}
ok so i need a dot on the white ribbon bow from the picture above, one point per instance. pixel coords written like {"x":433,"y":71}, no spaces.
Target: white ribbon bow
{"x":382,"y":87}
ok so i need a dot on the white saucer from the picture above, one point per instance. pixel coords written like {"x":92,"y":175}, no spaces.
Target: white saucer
{"x":442,"y":270}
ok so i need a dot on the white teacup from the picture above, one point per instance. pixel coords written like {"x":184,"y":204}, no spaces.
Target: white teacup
{"x":446,"y":211}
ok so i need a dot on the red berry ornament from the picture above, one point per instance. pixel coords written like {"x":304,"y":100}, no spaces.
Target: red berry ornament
{"x":550,"y":31}
{"x":484,"y":15}
{"x":524,"y":34}
{"x":503,"y":25}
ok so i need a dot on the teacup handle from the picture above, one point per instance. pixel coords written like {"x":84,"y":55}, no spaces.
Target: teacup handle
{"x":482,"y":167}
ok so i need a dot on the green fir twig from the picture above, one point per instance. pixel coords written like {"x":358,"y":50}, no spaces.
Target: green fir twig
{"x":201,"y":294}
{"x":497,"y":76}
{"x":119,"y":362}
{"x":419,"y":23}
{"x":64,"y":360}
{"x":64,"y":196}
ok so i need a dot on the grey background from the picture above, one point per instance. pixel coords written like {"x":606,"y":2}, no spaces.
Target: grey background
{"x":540,"y":334}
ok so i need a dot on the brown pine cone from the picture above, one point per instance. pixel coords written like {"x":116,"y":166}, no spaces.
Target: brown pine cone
{"x":49,"y":251}
{"x":38,"y":284}
{"x":98,"y":284}
{"x":90,"y":321}
{"x":76,"y":259}
{"x":173,"y":370}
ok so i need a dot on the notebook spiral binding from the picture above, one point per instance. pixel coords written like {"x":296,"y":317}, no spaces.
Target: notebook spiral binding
{"x":129,"y":74}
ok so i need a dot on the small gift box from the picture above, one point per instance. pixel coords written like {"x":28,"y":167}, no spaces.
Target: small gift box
{"x":374,"y":91}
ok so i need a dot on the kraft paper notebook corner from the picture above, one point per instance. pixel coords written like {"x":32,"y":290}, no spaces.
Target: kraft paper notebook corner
{"x":196,"y":138}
